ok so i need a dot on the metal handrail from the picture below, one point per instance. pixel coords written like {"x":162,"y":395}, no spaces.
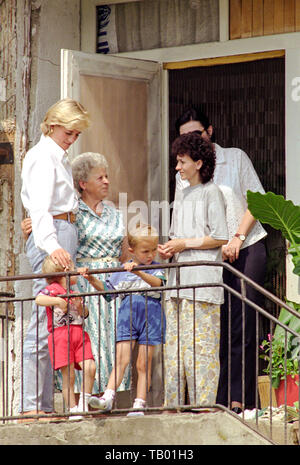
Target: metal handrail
{"x":241,"y":295}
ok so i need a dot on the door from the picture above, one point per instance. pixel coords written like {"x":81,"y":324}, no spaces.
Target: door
{"x":245,"y":102}
{"x":123,"y":98}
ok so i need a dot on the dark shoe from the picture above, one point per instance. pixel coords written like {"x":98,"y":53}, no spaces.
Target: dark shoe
{"x":237,"y":410}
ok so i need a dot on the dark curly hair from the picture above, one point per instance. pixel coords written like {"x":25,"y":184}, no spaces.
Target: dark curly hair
{"x":194,"y":114}
{"x":197,"y":148}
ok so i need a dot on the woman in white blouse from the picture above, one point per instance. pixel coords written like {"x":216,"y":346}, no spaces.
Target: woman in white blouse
{"x":49,"y":198}
{"x":245,"y":250}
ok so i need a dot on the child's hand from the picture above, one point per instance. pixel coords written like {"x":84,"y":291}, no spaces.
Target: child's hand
{"x":96,"y":283}
{"x":129,"y":266}
{"x":77,"y":303}
{"x":62,"y":304}
{"x":84,"y":272}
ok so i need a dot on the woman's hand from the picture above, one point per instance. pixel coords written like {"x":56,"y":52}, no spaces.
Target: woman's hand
{"x":231,"y":250}
{"x":62,"y":258}
{"x":161,"y":252}
{"x":173,"y":246}
{"x":26,"y":226}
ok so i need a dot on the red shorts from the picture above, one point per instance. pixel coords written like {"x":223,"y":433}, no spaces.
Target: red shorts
{"x":79,"y":350}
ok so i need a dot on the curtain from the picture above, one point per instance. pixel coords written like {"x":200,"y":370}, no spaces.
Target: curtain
{"x":156,"y":24}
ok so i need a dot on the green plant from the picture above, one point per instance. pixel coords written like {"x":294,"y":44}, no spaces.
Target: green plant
{"x":281,"y":365}
{"x":282,"y":215}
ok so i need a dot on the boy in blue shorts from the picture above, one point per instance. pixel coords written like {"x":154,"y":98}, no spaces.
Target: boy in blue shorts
{"x":140,"y":316}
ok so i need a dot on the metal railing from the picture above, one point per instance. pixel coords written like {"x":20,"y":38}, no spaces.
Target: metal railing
{"x":13,"y":334}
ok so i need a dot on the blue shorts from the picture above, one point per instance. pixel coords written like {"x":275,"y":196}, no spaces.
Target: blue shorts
{"x":152,"y":333}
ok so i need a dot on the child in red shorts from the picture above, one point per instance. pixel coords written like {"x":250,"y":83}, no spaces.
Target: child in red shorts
{"x":65,"y":317}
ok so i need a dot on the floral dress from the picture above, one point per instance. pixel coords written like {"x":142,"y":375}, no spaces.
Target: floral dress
{"x":100,"y":240}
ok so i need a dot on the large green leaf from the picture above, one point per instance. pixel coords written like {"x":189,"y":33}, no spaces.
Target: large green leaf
{"x":279,"y":213}
{"x":289,"y":320}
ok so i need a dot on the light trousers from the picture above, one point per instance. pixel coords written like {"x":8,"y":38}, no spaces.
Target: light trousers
{"x":191,"y":354}
{"x":37,"y":383}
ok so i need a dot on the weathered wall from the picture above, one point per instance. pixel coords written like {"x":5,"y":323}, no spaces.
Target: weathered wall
{"x":7,"y":134}
{"x":32,"y":34}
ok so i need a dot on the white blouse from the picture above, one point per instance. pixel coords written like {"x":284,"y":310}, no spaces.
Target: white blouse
{"x":47,"y":190}
{"x":235,"y":175}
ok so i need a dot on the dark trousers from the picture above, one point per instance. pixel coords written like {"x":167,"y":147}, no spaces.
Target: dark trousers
{"x":251,"y":262}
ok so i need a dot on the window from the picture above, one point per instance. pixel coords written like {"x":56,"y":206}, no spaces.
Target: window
{"x":154,"y":24}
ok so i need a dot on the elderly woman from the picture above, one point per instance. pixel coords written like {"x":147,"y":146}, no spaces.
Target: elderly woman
{"x":101,"y":244}
{"x":49,"y":198}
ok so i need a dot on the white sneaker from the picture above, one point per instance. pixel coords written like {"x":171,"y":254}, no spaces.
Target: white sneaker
{"x":100,"y":403}
{"x":140,"y":404}
{"x":135,"y":414}
{"x":75,"y":417}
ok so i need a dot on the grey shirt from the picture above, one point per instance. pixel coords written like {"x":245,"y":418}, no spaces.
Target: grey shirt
{"x":199,"y":211}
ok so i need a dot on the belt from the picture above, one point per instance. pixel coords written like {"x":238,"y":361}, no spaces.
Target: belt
{"x":70,"y":217}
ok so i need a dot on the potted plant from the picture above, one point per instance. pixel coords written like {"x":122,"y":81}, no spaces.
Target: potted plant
{"x":282,"y":363}
{"x":279,"y":364}
{"x":282,"y":215}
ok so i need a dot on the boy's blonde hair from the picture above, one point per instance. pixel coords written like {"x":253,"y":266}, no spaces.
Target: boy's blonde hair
{"x":50,"y":267}
{"x":140,"y":232}
{"x":67,"y":113}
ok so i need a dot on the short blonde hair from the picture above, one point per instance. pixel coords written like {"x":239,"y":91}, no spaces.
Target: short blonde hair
{"x":50,"y":267}
{"x":83,"y":164}
{"x":67,"y":113}
{"x":141,"y":232}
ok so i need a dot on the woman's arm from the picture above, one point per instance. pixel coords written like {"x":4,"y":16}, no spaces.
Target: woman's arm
{"x":232,"y":249}
{"x":200,"y":243}
{"x":60,"y":256}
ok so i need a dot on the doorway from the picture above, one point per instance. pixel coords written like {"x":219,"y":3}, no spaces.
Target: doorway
{"x":245,"y":103}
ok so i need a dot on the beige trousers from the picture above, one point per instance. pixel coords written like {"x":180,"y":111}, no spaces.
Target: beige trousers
{"x":193,"y":357}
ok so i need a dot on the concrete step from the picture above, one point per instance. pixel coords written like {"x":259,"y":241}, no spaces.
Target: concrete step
{"x":207,"y":427}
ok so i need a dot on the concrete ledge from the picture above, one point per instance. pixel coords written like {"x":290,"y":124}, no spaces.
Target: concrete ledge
{"x":278,"y":432}
{"x":203,"y":428}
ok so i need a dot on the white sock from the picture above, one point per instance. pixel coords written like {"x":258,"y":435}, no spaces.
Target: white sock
{"x":83,"y":402}
{"x":73,"y":409}
{"x":139,"y":403}
{"x":109,"y":394}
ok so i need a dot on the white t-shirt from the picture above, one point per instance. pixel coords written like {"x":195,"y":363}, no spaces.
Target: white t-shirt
{"x":47,"y":190}
{"x":235,"y":175}
{"x":199,"y":212}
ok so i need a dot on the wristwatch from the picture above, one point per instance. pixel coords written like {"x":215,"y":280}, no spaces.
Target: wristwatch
{"x":242,"y":237}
